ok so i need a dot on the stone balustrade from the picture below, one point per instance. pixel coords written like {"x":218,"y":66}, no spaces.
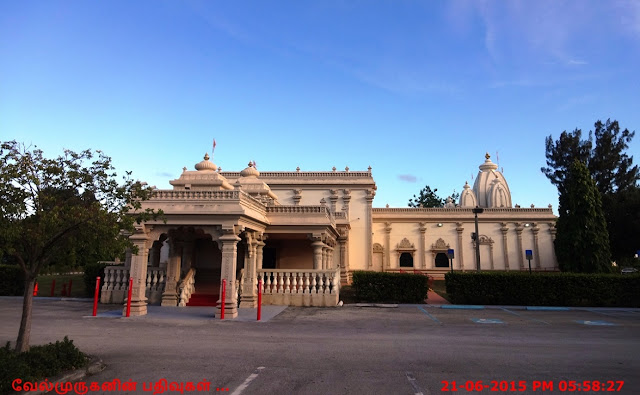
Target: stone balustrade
{"x":187,"y":286}
{"x":116,"y":284}
{"x":300,"y":287}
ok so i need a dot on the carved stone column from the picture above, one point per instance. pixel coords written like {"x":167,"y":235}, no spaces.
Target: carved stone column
{"x":459,"y":254}
{"x":325,"y":257}
{"x":170,"y":294}
{"x":505,"y":246}
{"x":519,"y":230}
{"x":317,"y":253}
{"x":344,"y":258}
{"x":536,"y":256}
{"x":553,"y":230}
{"x":259,"y":248}
{"x":387,"y":245}
{"x":187,"y":257}
{"x":371,"y":193}
{"x":249,"y":296}
{"x":297,"y":195}
{"x":333,"y":199}
{"x":346,"y":198}
{"x":423,"y":251}
{"x":138,"y":272}
{"x":229,"y":241}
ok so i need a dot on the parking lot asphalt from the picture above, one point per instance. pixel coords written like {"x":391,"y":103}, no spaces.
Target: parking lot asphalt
{"x":406,"y":349}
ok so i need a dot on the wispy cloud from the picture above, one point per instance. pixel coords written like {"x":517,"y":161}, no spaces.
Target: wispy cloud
{"x":576,"y":101}
{"x":164,"y":174}
{"x":407,"y":177}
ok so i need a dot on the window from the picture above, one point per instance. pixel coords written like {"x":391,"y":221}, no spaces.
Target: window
{"x":442,"y":260}
{"x":406,"y":260}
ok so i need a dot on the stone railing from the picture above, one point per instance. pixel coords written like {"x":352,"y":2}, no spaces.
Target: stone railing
{"x":432,"y":210}
{"x":300,"y":287}
{"x":340,"y":215}
{"x":186,"y":287}
{"x":303,"y":174}
{"x":322,"y":211}
{"x":116,"y":284}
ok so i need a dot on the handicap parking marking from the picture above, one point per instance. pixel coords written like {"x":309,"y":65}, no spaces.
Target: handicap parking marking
{"x":520,"y":315}
{"x":487,"y":321}
{"x":597,"y":323}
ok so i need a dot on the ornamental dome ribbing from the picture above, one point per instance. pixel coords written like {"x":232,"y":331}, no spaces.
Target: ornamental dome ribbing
{"x":206,"y":164}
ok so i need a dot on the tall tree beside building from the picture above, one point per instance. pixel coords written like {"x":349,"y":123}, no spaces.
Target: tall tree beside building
{"x":582,"y":241}
{"x":47,"y":204}
{"x":604,"y":153}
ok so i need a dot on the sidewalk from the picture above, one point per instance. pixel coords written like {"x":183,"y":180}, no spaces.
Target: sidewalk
{"x":434,"y":298}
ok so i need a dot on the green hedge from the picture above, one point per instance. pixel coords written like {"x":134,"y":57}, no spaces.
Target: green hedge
{"x":38,"y":363}
{"x":91,"y":271}
{"x":11,"y":280}
{"x":544,"y":289}
{"x":390,"y":287}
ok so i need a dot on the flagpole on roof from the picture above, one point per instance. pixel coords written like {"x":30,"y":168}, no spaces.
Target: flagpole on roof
{"x":213,"y":148}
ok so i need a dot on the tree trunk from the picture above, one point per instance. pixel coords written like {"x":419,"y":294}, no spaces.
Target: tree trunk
{"x":22,"y":344}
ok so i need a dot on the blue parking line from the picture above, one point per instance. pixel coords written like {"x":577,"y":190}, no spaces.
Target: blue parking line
{"x":462,"y":306}
{"x":520,"y":315}
{"x":547,"y":308}
{"x":430,"y":316}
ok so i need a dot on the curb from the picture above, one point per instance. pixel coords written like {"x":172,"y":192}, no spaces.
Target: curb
{"x":95,"y":366}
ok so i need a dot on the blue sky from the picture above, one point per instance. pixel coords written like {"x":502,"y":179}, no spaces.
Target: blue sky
{"x":419,"y":90}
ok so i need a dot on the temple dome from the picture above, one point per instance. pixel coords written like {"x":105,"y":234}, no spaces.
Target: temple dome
{"x":250,"y":171}
{"x":467,"y":197}
{"x":204,"y":178}
{"x":490,"y":188}
{"x":206,"y":164}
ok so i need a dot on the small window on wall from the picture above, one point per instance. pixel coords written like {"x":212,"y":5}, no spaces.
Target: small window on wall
{"x":406,"y":260}
{"x":442,"y":260}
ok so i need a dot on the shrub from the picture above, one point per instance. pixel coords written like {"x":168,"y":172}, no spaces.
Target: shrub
{"x":11,"y":280}
{"x":390,"y":287}
{"x":91,"y":271}
{"x":544,"y":289}
{"x":38,"y":363}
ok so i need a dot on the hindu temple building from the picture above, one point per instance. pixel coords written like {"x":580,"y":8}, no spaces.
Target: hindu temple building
{"x":303,"y":233}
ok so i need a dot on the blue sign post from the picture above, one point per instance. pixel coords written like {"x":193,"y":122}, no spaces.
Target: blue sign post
{"x":450,"y":255}
{"x":529,"y":255}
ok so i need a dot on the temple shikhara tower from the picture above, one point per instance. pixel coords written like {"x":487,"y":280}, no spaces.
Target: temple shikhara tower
{"x":303,"y":233}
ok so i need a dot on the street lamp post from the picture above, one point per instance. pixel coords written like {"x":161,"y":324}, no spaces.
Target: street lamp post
{"x":477,"y":211}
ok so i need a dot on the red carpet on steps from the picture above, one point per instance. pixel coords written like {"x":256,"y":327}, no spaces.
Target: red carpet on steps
{"x":203,"y":300}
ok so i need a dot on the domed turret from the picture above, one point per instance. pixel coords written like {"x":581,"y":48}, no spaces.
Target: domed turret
{"x":204,"y":178}
{"x":491,"y":188}
{"x":206,"y":164}
{"x":467,"y":197}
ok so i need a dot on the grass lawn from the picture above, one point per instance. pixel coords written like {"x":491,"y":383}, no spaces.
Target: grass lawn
{"x":77,"y":285}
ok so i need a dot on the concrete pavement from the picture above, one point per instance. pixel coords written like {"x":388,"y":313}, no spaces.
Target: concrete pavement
{"x":350,"y":350}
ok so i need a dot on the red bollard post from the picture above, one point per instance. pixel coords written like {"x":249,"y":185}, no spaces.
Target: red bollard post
{"x":69,"y":289}
{"x":95,"y":297}
{"x":129,"y":296}
{"x":259,"y":299}
{"x":53,"y":287}
{"x":224,"y":291}
{"x":35,"y":290}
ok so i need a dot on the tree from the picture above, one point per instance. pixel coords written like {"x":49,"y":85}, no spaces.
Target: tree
{"x":612,"y":169}
{"x":582,"y":241}
{"x":428,"y":198}
{"x":47,"y":204}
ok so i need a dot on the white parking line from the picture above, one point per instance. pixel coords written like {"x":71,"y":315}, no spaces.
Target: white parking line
{"x":248,"y":381}
{"x":414,"y":384}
